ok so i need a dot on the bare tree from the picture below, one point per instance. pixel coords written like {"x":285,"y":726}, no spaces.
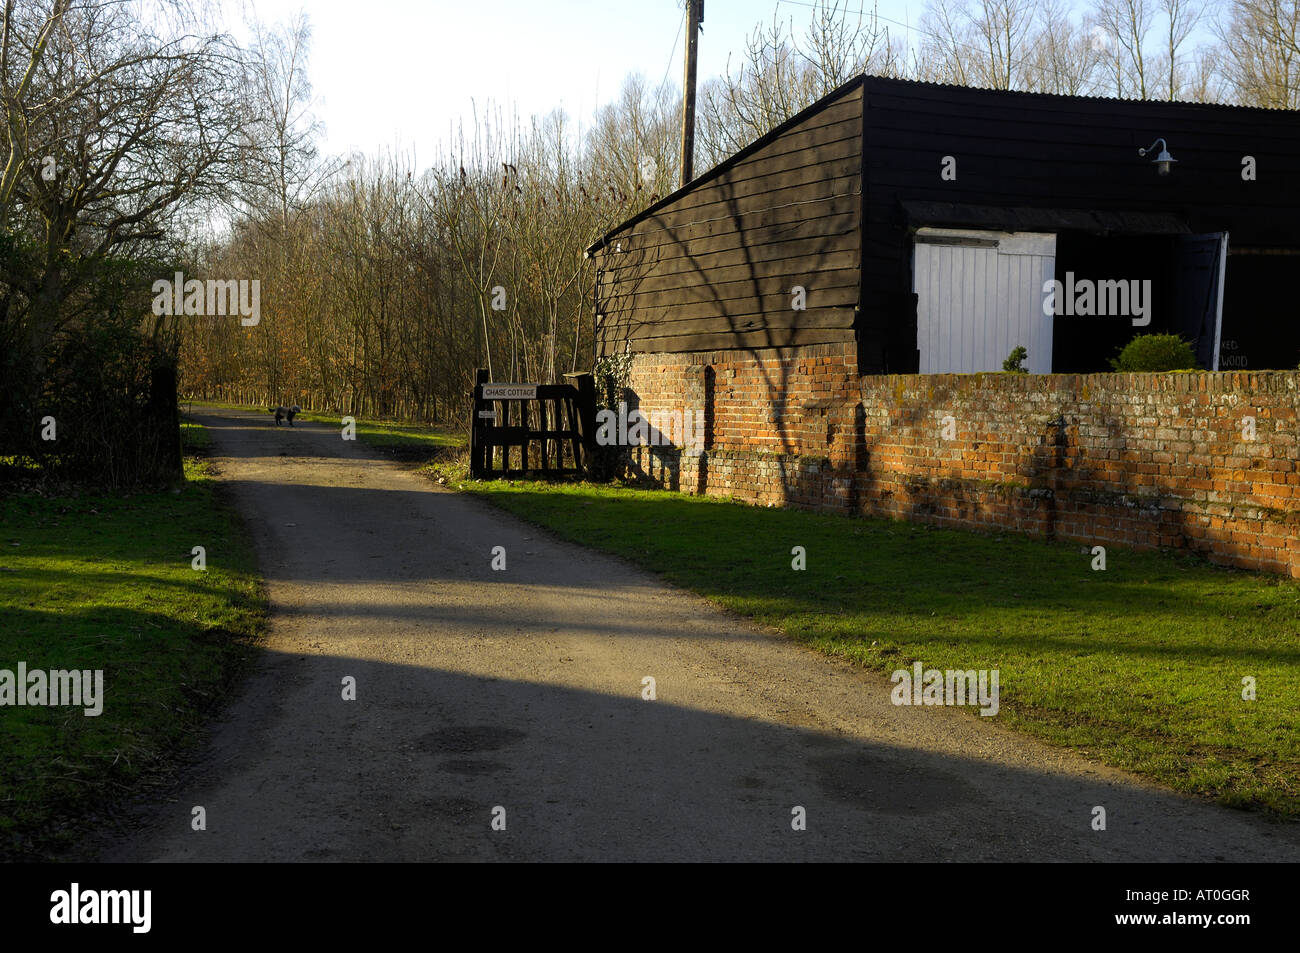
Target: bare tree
{"x":838,"y":48}
{"x":1002,"y":28}
{"x":1207,"y":83}
{"x":780,"y":74}
{"x":549,"y":226}
{"x":1127,"y":24}
{"x":1063,"y":56}
{"x":470,"y":208}
{"x":24,"y":36}
{"x":281,"y":167}
{"x":632,"y":147}
{"x":1261,"y":52}
{"x":944,"y":52}
{"x":1182,"y":18}
{"x":978,"y":43}
{"x":136,"y":117}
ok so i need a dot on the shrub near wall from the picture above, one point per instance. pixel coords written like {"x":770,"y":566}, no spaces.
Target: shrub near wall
{"x":1200,"y":461}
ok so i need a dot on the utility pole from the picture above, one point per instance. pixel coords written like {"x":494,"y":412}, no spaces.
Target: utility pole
{"x":694,"y":17}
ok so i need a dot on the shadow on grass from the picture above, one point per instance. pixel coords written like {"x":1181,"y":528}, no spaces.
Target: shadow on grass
{"x":63,"y":770}
{"x":868,"y":568}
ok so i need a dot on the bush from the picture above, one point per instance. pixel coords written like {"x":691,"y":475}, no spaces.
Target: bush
{"x":102,"y":366}
{"x":1014,"y":364}
{"x":612,"y":375}
{"x":1155,"y":352}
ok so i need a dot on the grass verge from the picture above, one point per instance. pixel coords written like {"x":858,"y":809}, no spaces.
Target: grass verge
{"x":105,"y":581}
{"x":1140,"y":666}
{"x":417,"y":443}
{"x":413,"y":442}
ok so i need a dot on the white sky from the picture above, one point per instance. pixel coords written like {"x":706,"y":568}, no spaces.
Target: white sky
{"x":398,"y":74}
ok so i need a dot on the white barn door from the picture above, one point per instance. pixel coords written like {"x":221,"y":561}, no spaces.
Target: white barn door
{"x":980,"y":294}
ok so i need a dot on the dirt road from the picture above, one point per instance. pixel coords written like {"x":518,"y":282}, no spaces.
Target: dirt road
{"x":522,"y":690}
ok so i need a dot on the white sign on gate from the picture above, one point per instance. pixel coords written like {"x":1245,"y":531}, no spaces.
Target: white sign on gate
{"x":509,"y":391}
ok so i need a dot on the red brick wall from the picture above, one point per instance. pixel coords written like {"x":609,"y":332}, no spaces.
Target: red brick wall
{"x":779,"y":423}
{"x":1141,"y":460}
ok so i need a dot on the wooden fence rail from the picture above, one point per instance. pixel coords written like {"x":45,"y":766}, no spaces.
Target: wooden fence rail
{"x":552,"y":426}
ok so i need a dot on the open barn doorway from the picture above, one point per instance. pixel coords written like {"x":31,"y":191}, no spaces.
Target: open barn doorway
{"x":1071,"y":299}
{"x":1116,"y":287}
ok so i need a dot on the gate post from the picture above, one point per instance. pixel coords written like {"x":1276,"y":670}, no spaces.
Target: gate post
{"x":586,"y":385}
{"x":478,"y":447}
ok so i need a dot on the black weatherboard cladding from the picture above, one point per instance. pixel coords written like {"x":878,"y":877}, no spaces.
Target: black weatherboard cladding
{"x":1033,"y":151}
{"x":712,"y":266}
{"x":716,"y":264}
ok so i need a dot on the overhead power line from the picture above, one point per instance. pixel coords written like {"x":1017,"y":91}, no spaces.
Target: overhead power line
{"x":673,"y":54}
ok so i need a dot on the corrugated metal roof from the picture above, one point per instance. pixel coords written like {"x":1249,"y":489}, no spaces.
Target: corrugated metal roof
{"x":1092,"y":99}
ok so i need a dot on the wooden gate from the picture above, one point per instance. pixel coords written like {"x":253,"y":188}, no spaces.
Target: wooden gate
{"x":558,"y":420}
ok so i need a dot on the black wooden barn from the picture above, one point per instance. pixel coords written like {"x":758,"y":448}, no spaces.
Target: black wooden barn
{"x":924,"y":223}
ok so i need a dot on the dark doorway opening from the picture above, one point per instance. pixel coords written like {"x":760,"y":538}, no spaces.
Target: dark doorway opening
{"x":1261,"y":320}
{"x":1083,"y":344}
{"x":1140,"y":284}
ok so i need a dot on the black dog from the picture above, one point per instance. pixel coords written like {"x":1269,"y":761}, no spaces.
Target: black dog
{"x":282,"y":412}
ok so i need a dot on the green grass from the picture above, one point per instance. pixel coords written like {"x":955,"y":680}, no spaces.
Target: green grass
{"x":407,"y":441}
{"x":195,"y":439}
{"x":1139,"y":666}
{"x":188,"y":405}
{"x":105,"y":581}
{"x":416,"y":442}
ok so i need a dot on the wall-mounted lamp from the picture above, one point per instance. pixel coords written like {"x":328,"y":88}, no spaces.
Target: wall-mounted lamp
{"x":1163,"y":160}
